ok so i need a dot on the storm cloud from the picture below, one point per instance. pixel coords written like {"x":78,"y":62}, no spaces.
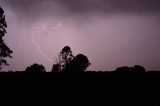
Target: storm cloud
{"x":83,"y":10}
{"x":40,"y":8}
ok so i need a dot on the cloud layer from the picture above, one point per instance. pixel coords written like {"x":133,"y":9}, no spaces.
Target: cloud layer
{"x":68,"y":7}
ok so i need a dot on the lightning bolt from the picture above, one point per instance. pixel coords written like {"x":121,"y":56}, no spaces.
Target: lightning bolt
{"x":43,"y":27}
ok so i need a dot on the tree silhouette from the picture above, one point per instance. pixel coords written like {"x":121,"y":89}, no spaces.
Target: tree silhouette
{"x":35,"y":68}
{"x":65,"y":57}
{"x":136,"y":68}
{"x":4,"y":49}
{"x":79,"y":64}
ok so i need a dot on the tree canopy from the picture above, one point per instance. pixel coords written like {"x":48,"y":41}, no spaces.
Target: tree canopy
{"x":5,"y":51}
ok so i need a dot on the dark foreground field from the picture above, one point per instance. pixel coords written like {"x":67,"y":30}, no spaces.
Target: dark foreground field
{"x":127,"y":87}
{"x":89,"y":75}
{"x":88,"y":79}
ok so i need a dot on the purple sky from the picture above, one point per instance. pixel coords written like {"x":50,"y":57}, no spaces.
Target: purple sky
{"x":111,"y":33}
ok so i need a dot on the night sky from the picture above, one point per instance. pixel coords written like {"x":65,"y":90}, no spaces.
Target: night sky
{"x":112,"y":33}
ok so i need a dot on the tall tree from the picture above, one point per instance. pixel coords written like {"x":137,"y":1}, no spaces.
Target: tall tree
{"x":5,"y":51}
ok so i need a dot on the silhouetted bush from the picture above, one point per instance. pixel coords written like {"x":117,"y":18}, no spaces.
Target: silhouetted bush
{"x":123,"y":69}
{"x":56,"y":68}
{"x":35,"y":68}
{"x":136,"y":68}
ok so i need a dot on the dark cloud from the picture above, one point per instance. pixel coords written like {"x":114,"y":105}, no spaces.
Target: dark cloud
{"x":35,"y":9}
{"x":86,"y":6}
{"x":107,"y":6}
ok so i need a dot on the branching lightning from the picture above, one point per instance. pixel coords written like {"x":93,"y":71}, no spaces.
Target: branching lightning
{"x":43,"y":27}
